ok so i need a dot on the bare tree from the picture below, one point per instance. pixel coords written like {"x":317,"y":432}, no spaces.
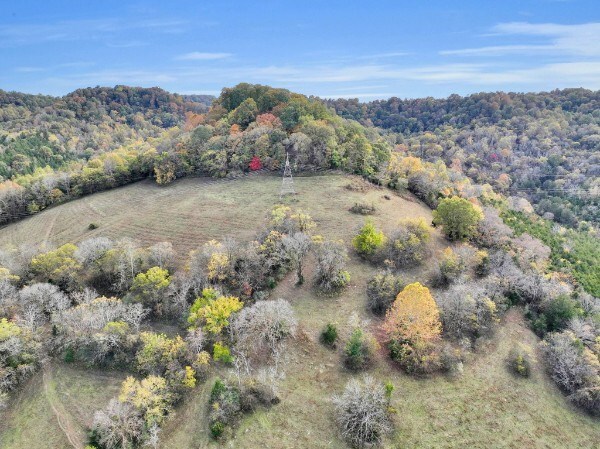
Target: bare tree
{"x":90,"y":250}
{"x":162,"y":255}
{"x":330,"y":273}
{"x":466,"y":310}
{"x":362,"y":412}
{"x":566,"y":362}
{"x":118,"y":426}
{"x":39,"y":301}
{"x":296,"y":247}
{"x":492,"y":232}
{"x":260,"y":334}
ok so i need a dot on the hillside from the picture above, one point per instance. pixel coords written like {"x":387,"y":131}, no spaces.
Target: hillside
{"x":37,"y":131}
{"x":486,"y":407}
{"x":541,"y":146}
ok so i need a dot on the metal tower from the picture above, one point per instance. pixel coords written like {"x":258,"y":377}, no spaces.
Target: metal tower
{"x":287,"y":185}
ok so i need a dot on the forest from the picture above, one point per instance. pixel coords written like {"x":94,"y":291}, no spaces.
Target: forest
{"x":541,"y":146}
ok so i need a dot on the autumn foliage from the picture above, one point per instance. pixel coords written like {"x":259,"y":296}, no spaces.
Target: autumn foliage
{"x":255,"y":163}
{"x":412,"y":326}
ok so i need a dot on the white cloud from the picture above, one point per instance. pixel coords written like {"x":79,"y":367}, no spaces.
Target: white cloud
{"x":74,"y":30}
{"x":570,"y":40}
{"x":202,"y":56}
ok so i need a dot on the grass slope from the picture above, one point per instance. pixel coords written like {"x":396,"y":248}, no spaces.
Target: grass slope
{"x":486,"y":407}
{"x":50,"y":407}
{"x":193,"y":210}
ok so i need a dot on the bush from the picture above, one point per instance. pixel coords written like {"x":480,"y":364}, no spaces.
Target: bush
{"x":330,"y":275}
{"x":409,"y":244}
{"x":369,"y":240}
{"x":362,"y":412}
{"x":69,"y":355}
{"x":255,"y":393}
{"x":382,"y":290}
{"x":449,"y":268}
{"x":329,"y":335}
{"x":221,"y":353}
{"x":519,"y":361}
{"x":216,"y":429}
{"x":92,"y":226}
{"x":225,"y":407}
{"x":363,"y":209}
{"x":558,"y":311}
{"x":358,"y":350}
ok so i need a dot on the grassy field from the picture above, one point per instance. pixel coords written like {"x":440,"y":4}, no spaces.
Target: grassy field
{"x":194,"y":210}
{"x":486,"y":407}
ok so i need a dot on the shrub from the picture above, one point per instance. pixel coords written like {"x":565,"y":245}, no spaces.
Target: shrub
{"x":458,"y":217}
{"x":369,"y":240}
{"x":224,"y":407}
{"x":329,"y":335}
{"x":92,"y":226}
{"x":358,"y":350}
{"x":382,"y":290}
{"x":363,"y":209}
{"x":221,"y":353}
{"x":519,"y":361}
{"x":330,"y":275}
{"x":575,"y":368}
{"x":362,"y":412}
{"x":409,"y":243}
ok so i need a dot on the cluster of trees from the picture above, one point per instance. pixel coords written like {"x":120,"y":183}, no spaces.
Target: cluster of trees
{"x":543,"y":146}
{"x":39,"y":131}
{"x":93,"y":303}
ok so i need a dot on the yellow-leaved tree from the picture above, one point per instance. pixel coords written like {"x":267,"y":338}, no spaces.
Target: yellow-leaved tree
{"x":412,"y":326}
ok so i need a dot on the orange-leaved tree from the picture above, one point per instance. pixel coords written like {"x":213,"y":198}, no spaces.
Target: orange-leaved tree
{"x":412,"y":325}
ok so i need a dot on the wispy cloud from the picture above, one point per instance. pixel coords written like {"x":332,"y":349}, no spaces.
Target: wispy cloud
{"x":74,"y":30}
{"x":395,"y":54}
{"x":570,"y":40}
{"x":202,"y":56}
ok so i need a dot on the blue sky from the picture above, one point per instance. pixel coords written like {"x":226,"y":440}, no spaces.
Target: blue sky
{"x":367,"y":49}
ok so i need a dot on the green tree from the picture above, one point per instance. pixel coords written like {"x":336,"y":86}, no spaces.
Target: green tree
{"x":245,"y":113}
{"x":458,"y":217}
{"x":58,"y":266}
{"x":212,"y":311}
{"x":368,"y":240}
{"x":149,"y":287}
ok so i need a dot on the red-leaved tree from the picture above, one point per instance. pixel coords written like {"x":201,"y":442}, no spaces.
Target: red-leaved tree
{"x":255,"y":163}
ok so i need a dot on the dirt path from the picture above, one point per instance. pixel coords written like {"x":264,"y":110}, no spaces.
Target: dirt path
{"x":65,"y":422}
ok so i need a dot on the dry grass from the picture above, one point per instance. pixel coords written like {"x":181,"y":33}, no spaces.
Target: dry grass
{"x":194,"y":210}
{"x":31,"y":422}
{"x":486,"y":407}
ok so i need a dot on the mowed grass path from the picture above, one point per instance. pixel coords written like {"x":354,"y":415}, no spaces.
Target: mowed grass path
{"x":486,"y":408}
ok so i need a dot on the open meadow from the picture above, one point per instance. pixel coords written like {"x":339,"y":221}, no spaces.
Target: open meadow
{"x":486,"y":407}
